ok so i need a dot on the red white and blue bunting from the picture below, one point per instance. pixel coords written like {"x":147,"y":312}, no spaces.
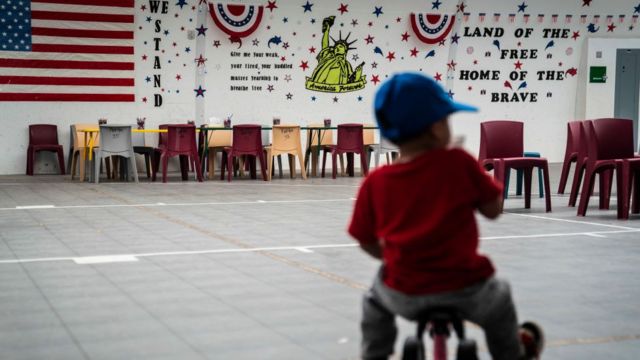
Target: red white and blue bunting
{"x":432,"y":28}
{"x":237,"y":21}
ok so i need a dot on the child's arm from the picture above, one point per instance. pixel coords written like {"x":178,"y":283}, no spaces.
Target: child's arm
{"x":373,"y":249}
{"x":491,"y":209}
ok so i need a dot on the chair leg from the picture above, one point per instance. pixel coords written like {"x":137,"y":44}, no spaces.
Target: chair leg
{"x":147,"y":164}
{"x":30,"y":161}
{"x":134,"y":168}
{"x":263,"y":165}
{"x":575,"y":184}
{"x":280,"y":165}
{"x":527,"y":173}
{"x":622,"y":187}
{"x":547,"y":187}
{"x":196,"y":165}
{"x":303,"y":170}
{"x":165,"y":162}
{"x":334,"y":164}
{"x":61,"y":161}
{"x":230,"y":157}
{"x":350,"y":164}
{"x":519,"y":174}
{"x":585,"y":194}
{"x":635,"y":206}
{"x":156,"y":164}
{"x":608,"y":184}
{"x":269,"y":164}
{"x":72,"y":163}
{"x":96,"y":169}
{"x":507,"y":178}
{"x":564,"y":174}
{"x":540,"y":184}
{"x":292,"y":166}
{"x":364,"y":163}
{"x":324,"y":161}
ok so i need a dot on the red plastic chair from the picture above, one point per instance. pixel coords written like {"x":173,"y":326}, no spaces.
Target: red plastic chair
{"x":180,"y":140}
{"x":570,"y":153}
{"x":502,"y":149}
{"x":350,"y":141}
{"x":247,"y":140}
{"x":43,"y":137}
{"x":157,"y":151}
{"x":610,"y":147}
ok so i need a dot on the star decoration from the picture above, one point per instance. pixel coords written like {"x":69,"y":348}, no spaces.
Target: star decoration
{"x":460,"y":8}
{"x":148,"y":19}
{"x":144,"y":57}
{"x":283,"y":59}
{"x":359,"y":98}
{"x":312,"y":50}
{"x":470,"y":88}
{"x":181,"y":3}
{"x":518,"y":65}
{"x":166,"y":32}
{"x":455,"y":38}
{"x":452,"y":65}
{"x":398,"y":19}
{"x":271,"y":5}
{"x":451,"y":93}
{"x":438,"y":76}
{"x":475,"y":62}
{"x":335,"y":99}
{"x":375,"y":79}
{"x":304,"y":65}
{"x":414,"y":52}
{"x":370,"y":24}
{"x":560,"y":64}
{"x":374,"y":65}
{"x":200,"y":60}
{"x":307,"y":7}
{"x":576,"y":35}
{"x":405,"y":36}
{"x":255,"y":42}
{"x":147,"y":79}
{"x":285,"y":45}
{"x":378,"y":11}
{"x":343,"y":8}
{"x":354,"y":22}
{"x":586,"y":2}
{"x":178,"y":77}
{"x":287,"y":78}
{"x":522,"y":7}
{"x":202,"y":30}
{"x":216,"y":43}
{"x":355,"y":57}
{"x":369,"y":39}
{"x":285,"y":20}
{"x":313,"y":98}
{"x":442,"y":43}
{"x":313,"y":21}
{"x":636,"y":9}
{"x":289,"y":96}
{"x":199,"y":91}
{"x":270,"y":88}
{"x":144,"y":99}
{"x":391,"y":56}
{"x":435,"y":5}
{"x":143,"y":7}
{"x":611,"y":27}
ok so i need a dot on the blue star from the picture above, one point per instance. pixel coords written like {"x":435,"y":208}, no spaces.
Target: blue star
{"x":455,"y":38}
{"x":307,"y":7}
{"x":359,"y":98}
{"x":181,"y":3}
{"x":451,"y":93}
{"x":378,"y":11}
{"x":313,"y":21}
{"x":147,"y":79}
{"x":202,"y":30}
{"x":285,"y":20}
{"x":148,"y":18}
{"x":187,"y":49}
{"x":166,"y":32}
{"x":199,"y":91}
{"x":436,"y":4}
{"x":636,"y":9}
{"x":522,"y":7}
{"x":313,"y":98}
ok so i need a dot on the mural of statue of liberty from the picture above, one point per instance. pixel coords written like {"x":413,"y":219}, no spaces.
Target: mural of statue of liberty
{"x":334,"y":73}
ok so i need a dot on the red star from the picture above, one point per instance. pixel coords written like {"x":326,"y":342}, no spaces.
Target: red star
{"x":518,"y":65}
{"x":611,"y":27}
{"x":398,"y":19}
{"x":576,"y":35}
{"x":200,"y":60}
{"x":405,"y":36}
{"x":304,"y":65}
{"x":452,"y":65}
{"x":461,"y":7}
{"x":369,"y":39}
{"x":202,"y":2}
{"x":414,"y":52}
{"x":144,"y":99}
{"x":178,"y":77}
{"x":475,"y":62}
{"x":438,"y":77}
{"x":144,"y":57}
{"x":343,"y":8}
{"x":391,"y":56}
{"x":560,"y":63}
{"x":370,"y":24}
{"x":573,"y":71}
{"x":143,"y":7}
{"x":312,"y":50}
{"x":375,"y":79}
{"x":272,"y":5}
{"x":586,"y":2}
{"x":283,"y":59}
{"x":470,"y":88}
{"x":216,"y":43}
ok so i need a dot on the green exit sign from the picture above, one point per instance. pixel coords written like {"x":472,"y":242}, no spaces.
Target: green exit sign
{"x":598,"y":74}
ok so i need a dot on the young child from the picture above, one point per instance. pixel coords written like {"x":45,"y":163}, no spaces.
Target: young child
{"x":418,"y":217}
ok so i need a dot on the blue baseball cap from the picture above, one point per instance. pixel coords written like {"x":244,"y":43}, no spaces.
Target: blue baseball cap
{"x":408,"y":103}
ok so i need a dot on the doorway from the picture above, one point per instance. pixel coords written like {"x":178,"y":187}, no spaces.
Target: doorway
{"x":628,"y":87}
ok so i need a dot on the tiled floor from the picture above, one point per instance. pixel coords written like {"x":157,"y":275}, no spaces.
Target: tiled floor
{"x":254,"y":270}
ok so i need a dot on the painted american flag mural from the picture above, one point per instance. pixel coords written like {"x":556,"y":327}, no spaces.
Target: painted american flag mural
{"x":67,"y":50}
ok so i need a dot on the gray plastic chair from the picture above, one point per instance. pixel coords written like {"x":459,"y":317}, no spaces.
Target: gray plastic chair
{"x":384,"y":147}
{"x":116,"y":140}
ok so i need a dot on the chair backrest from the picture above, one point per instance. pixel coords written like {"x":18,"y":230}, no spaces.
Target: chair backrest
{"x":116,"y":139}
{"x":350,"y":137}
{"x":247,"y":138}
{"x":218,"y":138}
{"x":611,"y":139}
{"x":573,"y":137}
{"x":79,"y":140}
{"x":163,"y":137}
{"x":501,"y":139}
{"x":181,"y":138}
{"x":369,"y":135}
{"x":326,"y":136}
{"x":286,"y":137}
{"x":43,"y":134}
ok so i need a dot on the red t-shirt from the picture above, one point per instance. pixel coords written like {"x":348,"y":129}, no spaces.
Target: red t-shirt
{"x":423,"y":213}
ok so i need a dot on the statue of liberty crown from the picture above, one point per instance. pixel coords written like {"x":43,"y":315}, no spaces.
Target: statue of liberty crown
{"x":344,"y":41}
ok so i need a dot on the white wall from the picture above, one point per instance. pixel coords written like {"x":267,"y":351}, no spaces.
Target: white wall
{"x":571,"y":98}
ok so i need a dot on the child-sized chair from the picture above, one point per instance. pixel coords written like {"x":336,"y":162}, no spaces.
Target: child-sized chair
{"x":286,"y":140}
{"x":350,"y":142}
{"x":180,"y":141}
{"x":43,"y":137}
{"x":247,"y":140}
{"x":218,"y":140}
{"x":115,"y":140}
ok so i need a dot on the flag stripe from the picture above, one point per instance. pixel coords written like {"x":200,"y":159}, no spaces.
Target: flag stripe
{"x":87,"y":49}
{"x":59,"y":15}
{"x":80,"y":73}
{"x":111,"y":3}
{"x":77,"y":33}
{"x":44,"y":80}
{"x":83,"y":25}
{"x":63,"y":64}
{"x":51,"y":40}
{"x":82,"y":9}
{"x":67,"y":97}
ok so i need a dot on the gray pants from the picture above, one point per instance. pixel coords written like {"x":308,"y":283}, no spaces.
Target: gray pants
{"x":487,"y":304}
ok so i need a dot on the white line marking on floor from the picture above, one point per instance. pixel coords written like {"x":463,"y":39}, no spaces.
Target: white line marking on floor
{"x":571,"y":221}
{"x":88,"y":260}
{"x":595,"y":235}
{"x":304,"y":250}
{"x":308,"y":248}
{"x":261,"y":201}
{"x":31,"y":207}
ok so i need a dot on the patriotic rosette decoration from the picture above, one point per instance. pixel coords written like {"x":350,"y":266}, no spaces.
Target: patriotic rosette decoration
{"x":432,"y":28}
{"x":237,"y":21}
